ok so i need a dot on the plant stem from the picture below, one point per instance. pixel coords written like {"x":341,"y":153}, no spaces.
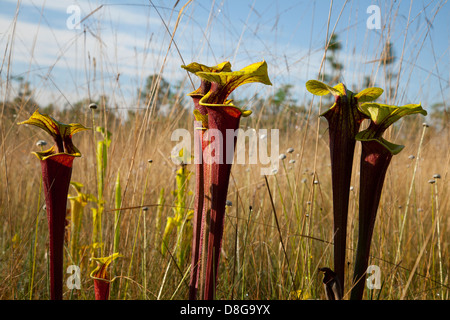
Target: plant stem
{"x":438,"y":229}
{"x":35,"y":241}
{"x":279,"y":233}
{"x":375,"y":160}
{"x":137,"y":230}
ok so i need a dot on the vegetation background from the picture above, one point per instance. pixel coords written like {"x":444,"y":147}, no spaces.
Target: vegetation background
{"x":126,"y":59}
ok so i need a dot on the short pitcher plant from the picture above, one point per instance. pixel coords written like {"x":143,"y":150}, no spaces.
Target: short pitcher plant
{"x":344,"y":121}
{"x":56,"y":165}
{"x":101,"y":277}
{"x":216,"y":116}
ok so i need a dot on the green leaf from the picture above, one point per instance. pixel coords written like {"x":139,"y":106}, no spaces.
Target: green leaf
{"x":369,"y":94}
{"x":385,"y":115}
{"x":102,"y":158}
{"x":117,"y":214}
{"x":167,"y":232}
{"x":118,"y":192}
{"x":391,"y":147}
{"x":92,"y":198}
{"x":256,"y":72}
{"x":195,"y":67}
{"x":321,"y":89}
{"x":106,"y":135}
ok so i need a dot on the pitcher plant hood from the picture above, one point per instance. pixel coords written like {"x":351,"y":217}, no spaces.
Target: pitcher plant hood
{"x":60,"y":132}
{"x":56,"y":168}
{"x":383,"y":116}
{"x":101,"y":276}
{"x":224,"y":83}
{"x":205,"y":85}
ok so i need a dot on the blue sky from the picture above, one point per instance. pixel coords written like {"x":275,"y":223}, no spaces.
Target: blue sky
{"x":130,"y":39}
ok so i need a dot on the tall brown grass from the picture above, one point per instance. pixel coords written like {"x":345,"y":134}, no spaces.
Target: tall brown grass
{"x":254,"y":264}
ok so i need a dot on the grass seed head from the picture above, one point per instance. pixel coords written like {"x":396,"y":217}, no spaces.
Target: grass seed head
{"x":41,"y":143}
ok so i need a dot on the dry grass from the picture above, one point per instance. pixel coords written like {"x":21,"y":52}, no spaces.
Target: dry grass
{"x":253,"y":262}
{"x":253,"y":265}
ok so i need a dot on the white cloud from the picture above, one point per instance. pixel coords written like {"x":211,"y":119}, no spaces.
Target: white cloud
{"x":43,"y":49}
{"x":132,"y":40}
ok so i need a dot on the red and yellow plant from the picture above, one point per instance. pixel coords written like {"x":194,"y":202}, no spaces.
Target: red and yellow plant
{"x":218,"y":117}
{"x":56,"y":166}
{"x":199,"y":145}
{"x":101,"y":276}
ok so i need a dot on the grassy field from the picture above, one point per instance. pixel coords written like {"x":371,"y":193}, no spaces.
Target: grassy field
{"x":260,"y":258}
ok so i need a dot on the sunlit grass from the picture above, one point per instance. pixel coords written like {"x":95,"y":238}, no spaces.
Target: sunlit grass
{"x":264,"y":256}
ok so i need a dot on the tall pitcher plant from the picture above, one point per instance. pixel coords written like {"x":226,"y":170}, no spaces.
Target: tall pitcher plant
{"x":56,"y":167}
{"x":200,"y":145}
{"x":344,"y":119}
{"x":216,"y":117}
